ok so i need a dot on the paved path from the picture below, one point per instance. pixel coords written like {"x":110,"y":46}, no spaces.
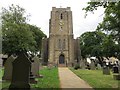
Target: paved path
{"x":69,"y":80}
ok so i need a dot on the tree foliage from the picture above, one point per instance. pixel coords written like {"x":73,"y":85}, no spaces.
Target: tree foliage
{"x":110,"y":24}
{"x":38,"y":35}
{"x":17,"y":34}
{"x":91,"y":43}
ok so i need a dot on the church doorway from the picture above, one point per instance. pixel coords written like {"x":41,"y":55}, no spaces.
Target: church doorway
{"x":61,"y":59}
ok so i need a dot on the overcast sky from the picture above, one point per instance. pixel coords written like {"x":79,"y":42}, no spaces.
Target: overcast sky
{"x":40,"y":13}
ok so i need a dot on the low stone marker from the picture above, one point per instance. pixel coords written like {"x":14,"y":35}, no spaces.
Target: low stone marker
{"x":8,"y":68}
{"x":20,"y":73}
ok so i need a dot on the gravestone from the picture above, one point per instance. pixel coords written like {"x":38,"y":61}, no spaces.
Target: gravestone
{"x":92,"y":65}
{"x":8,"y":68}
{"x":31,"y":76}
{"x":35,"y":66}
{"x":106,"y":70}
{"x":115,"y":69}
{"x":20,"y":73}
{"x":117,"y":76}
{"x":82,"y":64}
{"x":98,"y":66}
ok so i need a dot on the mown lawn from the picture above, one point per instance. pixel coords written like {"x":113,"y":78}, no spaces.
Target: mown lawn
{"x":97,"y":80}
{"x":50,"y":80}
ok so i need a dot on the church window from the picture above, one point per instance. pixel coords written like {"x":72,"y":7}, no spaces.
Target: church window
{"x":64,"y":44}
{"x":61,"y":16}
{"x":59,"y":43}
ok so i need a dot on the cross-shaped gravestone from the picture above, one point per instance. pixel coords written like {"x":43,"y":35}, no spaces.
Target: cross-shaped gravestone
{"x":20,"y":73}
{"x":8,"y":68}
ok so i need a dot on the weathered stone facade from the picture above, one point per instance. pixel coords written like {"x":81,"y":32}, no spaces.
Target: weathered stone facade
{"x":61,"y":43}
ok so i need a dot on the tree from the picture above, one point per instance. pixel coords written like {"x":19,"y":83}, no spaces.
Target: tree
{"x":111,"y":20}
{"x":16,"y":34}
{"x":91,"y":43}
{"x":109,"y":46}
{"x":38,"y":35}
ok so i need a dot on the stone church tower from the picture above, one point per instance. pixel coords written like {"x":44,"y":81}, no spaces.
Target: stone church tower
{"x":61,"y":44}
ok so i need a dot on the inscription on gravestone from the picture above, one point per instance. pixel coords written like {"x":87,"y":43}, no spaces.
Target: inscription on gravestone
{"x":21,"y":71}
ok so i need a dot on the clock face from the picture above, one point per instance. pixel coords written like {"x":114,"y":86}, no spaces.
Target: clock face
{"x":61,"y":23}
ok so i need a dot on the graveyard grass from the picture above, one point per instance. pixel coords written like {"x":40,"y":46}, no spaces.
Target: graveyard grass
{"x":50,"y":79}
{"x":96,"y":79}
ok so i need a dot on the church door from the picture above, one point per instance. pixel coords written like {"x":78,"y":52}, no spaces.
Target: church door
{"x":61,"y":59}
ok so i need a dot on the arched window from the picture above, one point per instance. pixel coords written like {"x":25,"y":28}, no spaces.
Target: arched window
{"x":59,"y":44}
{"x":64,"y":44}
{"x":61,"y":16}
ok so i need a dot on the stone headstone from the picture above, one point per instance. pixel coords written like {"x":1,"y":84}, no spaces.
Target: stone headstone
{"x":8,"y":68}
{"x":117,"y":76}
{"x":82,"y":64}
{"x":98,"y":66}
{"x":106,"y":70}
{"x":92,"y":65}
{"x":31,"y":76}
{"x":20,"y":73}
{"x":35,"y":66}
{"x":115,"y":69}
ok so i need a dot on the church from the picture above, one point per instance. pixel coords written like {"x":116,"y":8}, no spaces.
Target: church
{"x":61,"y":48}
